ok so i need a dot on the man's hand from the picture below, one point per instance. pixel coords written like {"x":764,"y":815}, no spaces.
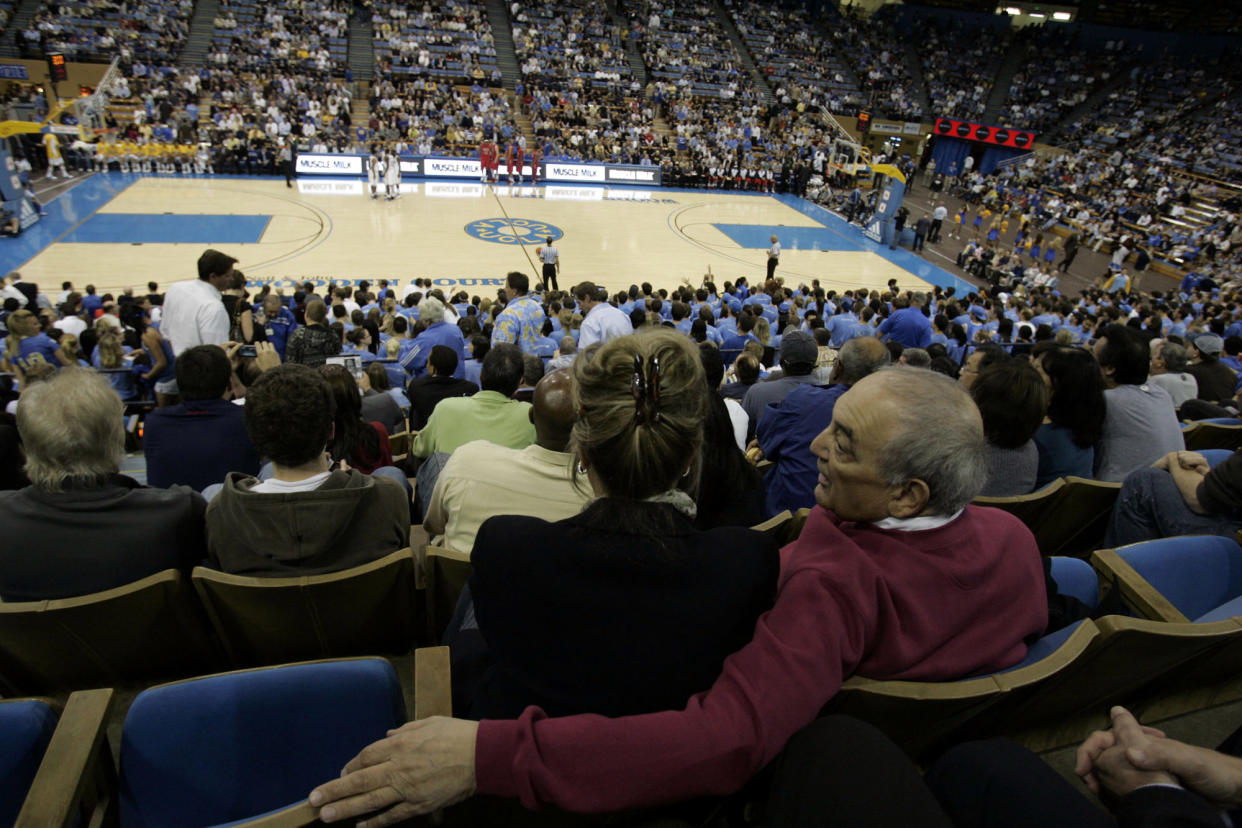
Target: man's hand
{"x":1215,"y":776}
{"x":1089,"y":752}
{"x":1188,"y":480}
{"x":266,"y":356}
{"x":419,"y":768}
{"x":753,"y":453}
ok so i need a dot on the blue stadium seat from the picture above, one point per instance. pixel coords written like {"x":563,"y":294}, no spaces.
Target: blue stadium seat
{"x":231,"y":746}
{"x":1076,"y":578}
{"x":1195,"y":573}
{"x":25,"y":730}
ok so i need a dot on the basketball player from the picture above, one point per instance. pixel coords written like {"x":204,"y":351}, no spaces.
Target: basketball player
{"x":374,"y":171}
{"x":551,"y":264}
{"x":392,"y":174}
{"x":534,"y":165}
{"x":54,"y":159}
{"x":485,"y":159}
{"x":202,"y":159}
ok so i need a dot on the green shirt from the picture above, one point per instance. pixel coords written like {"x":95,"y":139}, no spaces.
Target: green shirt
{"x":488,"y":415}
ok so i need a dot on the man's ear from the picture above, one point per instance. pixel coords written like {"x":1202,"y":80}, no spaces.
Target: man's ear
{"x":909,"y":499}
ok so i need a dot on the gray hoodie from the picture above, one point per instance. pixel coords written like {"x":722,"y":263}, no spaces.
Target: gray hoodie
{"x":349,"y":520}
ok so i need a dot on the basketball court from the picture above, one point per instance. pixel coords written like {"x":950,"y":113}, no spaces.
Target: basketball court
{"x":118,"y":230}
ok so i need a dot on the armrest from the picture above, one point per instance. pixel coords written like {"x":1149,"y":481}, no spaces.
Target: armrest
{"x":78,"y":751}
{"x":433,"y":690}
{"x":1136,"y":591}
{"x":294,"y":816}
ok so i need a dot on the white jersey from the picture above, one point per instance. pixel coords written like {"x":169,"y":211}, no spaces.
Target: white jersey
{"x":392,"y":170}
{"x":375,"y":170}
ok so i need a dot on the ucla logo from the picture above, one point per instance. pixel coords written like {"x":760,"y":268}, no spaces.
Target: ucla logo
{"x":513,"y":231}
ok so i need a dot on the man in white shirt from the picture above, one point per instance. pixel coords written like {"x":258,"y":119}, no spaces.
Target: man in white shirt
{"x":1168,"y":370}
{"x":774,"y":256}
{"x":193,"y":311}
{"x":600,"y":320}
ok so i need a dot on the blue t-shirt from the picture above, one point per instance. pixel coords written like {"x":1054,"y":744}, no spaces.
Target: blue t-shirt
{"x":1060,"y":456}
{"x":35,"y":349}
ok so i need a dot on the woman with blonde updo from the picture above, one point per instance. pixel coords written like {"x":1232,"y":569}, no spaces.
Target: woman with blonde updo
{"x":625,"y":607}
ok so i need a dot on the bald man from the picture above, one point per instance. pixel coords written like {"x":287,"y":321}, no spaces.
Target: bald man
{"x":482,"y":479}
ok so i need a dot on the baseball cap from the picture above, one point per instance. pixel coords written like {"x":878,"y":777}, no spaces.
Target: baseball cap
{"x":799,"y":347}
{"x":1209,"y":343}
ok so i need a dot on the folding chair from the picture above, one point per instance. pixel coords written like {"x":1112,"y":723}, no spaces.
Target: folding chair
{"x":367,"y":610}
{"x":149,"y":630}
{"x":448,"y":572}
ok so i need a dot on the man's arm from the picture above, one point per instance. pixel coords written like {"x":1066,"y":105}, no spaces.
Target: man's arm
{"x":1220,"y":491}
{"x":802,"y":649}
{"x":213,"y":324}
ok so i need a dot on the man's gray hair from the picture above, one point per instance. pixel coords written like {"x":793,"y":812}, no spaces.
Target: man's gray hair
{"x":859,"y":358}
{"x":916,"y":357}
{"x":939,"y":438}
{"x":568,"y":345}
{"x":431,"y":310}
{"x":1176,"y":357}
{"x":73,"y":430}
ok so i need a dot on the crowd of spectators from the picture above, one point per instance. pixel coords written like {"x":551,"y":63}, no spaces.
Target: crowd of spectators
{"x":452,"y":42}
{"x":569,"y":45}
{"x":959,"y":65}
{"x":1055,"y":77}
{"x":685,"y":47}
{"x":104,"y":29}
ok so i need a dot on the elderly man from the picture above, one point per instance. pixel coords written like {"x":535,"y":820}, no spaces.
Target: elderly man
{"x":81,"y":527}
{"x":521,"y":322}
{"x":193,"y":311}
{"x":600,"y":320}
{"x":894,"y":576}
{"x":786,"y":430}
{"x":483,"y":479}
{"x":438,"y":332}
{"x":1168,"y":370}
{"x":492,"y":414}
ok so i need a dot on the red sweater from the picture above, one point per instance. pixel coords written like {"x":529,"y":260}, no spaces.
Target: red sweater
{"x":932,"y":605}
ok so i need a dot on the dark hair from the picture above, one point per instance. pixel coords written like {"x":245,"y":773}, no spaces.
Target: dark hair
{"x":479,"y":346}
{"x":502,"y":369}
{"x":518,"y":281}
{"x":202,"y":372}
{"x":1125,"y":351}
{"x":443,"y":359}
{"x":1012,"y":399}
{"x":946,"y":366}
{"x":747,"y":369}
{"x":993,"y":354}
{"x":532,"y":369}
{"x":211,"y":263}
{"x":355,"y":438}
{"x":289,"y":412}
{"x":726,"y":478}
{"x":1077,"y":400}
{"x":378,"y":375}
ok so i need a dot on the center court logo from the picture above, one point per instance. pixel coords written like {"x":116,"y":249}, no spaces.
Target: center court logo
{"x":512,"y":231}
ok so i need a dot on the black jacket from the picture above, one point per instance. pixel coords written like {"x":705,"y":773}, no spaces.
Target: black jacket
{"x":425,"y":392}
{"x":592,"y":614}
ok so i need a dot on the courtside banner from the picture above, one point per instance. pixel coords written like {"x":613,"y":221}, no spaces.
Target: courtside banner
{"x":309,"y":163}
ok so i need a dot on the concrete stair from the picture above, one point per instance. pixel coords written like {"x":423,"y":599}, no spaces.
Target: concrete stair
{"x":502,"y":33}
{"x":735,"y":37}
{"x":361,"y":49}
{"x":198,"y":41}
{"x":1000,"y":85}
{"x":915,"y":67}
{"x":633,"y":57}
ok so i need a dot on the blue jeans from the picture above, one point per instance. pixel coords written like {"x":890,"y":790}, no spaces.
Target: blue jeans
{"x":1150,"y":506}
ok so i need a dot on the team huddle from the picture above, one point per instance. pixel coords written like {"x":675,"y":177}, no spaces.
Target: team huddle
{"x":384,"y":167}
{"x":515,"y":161}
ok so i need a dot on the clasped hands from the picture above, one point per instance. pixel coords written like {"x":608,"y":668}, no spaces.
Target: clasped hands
{"x":1130,"y":756}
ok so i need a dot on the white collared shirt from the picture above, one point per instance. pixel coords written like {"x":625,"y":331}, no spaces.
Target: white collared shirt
{"x":917,"y":524}
{"x":194,"y":315}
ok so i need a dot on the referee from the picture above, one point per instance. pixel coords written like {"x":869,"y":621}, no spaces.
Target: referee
{"x":551,"y":264}
{"x":774,"y":257}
